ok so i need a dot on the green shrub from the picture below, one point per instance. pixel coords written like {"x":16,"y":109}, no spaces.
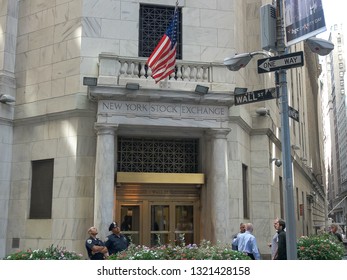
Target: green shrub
{"x":320,"y":247}
{"x":50,"y":253}
{"x":205,"y":251}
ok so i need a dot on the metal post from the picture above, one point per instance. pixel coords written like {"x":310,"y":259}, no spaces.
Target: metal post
{"x":286,"y":147}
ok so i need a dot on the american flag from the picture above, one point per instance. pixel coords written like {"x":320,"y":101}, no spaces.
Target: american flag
{"x":163,"y":59}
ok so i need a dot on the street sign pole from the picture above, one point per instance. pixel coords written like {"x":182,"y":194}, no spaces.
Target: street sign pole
{"x":286,"y":147}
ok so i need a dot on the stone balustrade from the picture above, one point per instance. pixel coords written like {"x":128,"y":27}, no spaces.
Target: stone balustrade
{"x":117,"y":71}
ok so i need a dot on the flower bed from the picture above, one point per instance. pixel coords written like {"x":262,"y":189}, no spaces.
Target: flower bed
{"x":50,"y":253}
{"x":320,"y":247}
{"x":205,"y":251}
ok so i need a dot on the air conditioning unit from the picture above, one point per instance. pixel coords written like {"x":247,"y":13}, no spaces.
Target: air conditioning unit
{"x":268,"y":24}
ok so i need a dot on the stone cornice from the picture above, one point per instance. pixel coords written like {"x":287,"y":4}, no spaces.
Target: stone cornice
{"x":120,"y":93}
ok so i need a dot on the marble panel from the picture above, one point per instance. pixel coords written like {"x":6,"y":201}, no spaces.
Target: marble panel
{"x":20,"y":189}
{"x":92,"y":47}
{"x":3,"y":7}
{"x":260,"y":176}
{"x":85,"y":126}
{"x":191,"y":52}
{"x":44,"y":149}
{"x":260,"y":209}
{"x":44,"y":90}
{"x":81,"y":186}
{"x":191,"y":17}
{"x":216,"y":54}
{"x":41,"y":38}
{"x":226,"y":39}
{"x":71,"y":229}
{"x":86,"y":146}
{"x":91,"y":27}
{"x":40,"y":5}
{"x":261,"y":192}
{"x":38,"y":228}
{"x":60,"y":13}
{"x":60,"y":170}
{"x":72,"y":85}
{"x":225,"y":5}
{"x":67,"y":30}
{"x":46,"y":18}
{"x":17,"y":215}
{"x":66,"y":68}
{"x":6,"y":153}
{"x":21,"y":171}
{"x":4,"y":194}
{"x":260,"y":158}
{"x":21,"y":152}
{"x":210,"y":4}
{"x":112,"y":29}
{"x":129,"y":11}
{"x":108,"y":9}
{"x":31,"y":109}
{"x":85,"y":166}
{"x":71,"y":166}
{"x":58,"y":87}
{"x":46,"y":55}
{"x":128,"y":48}
{"x":28,"y":133}
{"x":75,"y":9}
{"x":200,"y":36}
{"x":59,"y":52}
{"x":67,"y":146}
{"x":72,"y":208}
{"x":44,"y":73}
{"x":216,"y":18}
{"x":89,"y":66}
{"x":59,"y":2}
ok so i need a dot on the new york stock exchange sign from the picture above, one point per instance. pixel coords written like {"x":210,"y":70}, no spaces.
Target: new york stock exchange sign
{"x":168,"y":110}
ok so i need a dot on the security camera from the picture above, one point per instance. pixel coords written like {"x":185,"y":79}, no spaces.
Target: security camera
{"x":237,"y":62}
{"x":262,"y":111}
{"x":6,"y":98}
{"x":320,"y":46}
{"x":278,"y":162}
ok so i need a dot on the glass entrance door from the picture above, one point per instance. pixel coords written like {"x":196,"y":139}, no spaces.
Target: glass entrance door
{"x":154,"y":223}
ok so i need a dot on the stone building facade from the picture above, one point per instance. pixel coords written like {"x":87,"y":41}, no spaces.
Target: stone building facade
{"x":168,"y":160}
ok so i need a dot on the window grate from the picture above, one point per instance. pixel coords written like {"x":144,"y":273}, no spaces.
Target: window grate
{"x":154,"y":21}
{"x":158,"y":155}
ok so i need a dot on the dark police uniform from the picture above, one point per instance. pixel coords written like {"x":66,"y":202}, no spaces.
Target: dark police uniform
{"x":90,"y":242}
{"x":116,"y":243}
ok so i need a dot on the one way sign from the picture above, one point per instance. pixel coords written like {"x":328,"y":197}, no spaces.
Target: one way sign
{"x":275,"y":63}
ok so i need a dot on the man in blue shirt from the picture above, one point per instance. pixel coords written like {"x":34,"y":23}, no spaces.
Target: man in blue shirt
{"x":247,"y":243}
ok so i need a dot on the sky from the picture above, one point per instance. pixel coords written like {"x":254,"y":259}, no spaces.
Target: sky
{"x":334,"y":12}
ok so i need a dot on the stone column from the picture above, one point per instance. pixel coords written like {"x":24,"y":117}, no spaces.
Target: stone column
{"x":218,"y":183}
{"x":104,"y":178}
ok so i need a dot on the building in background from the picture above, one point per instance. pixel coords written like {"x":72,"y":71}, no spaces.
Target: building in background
{"x":168,"y":160}
{"x":335,"y":118}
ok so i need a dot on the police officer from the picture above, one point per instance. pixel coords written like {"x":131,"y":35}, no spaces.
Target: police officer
{"x":116,"y":242}
{"x":95,"y":247}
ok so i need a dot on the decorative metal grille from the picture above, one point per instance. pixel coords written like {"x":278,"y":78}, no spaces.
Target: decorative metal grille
{"x":158,"y":155}
{"x":154,"y":21}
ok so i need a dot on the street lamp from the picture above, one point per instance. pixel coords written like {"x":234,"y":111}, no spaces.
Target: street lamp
{"x":238,"y":61}
{"x":319,"y":46}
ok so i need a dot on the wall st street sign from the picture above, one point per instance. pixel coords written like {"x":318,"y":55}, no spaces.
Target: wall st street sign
{"x":255,"y":96}
{"x":275,"y":63}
